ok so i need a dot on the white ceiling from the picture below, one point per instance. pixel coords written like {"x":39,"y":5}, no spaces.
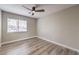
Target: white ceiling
{"x":49,"y":8}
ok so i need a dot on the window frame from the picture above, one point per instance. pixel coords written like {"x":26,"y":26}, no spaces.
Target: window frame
{"x":17,"y":25}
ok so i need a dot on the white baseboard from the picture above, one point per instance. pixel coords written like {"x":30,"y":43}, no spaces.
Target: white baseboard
{"x":43,"y":39}
{"x":17,"y":40}
{"x":59,"y":44}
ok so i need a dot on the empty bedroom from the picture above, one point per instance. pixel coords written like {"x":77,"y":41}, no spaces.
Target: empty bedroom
{"x":39,"y":29}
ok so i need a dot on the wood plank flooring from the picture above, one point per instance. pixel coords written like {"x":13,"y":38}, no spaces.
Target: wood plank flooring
{"x":35,"y":46}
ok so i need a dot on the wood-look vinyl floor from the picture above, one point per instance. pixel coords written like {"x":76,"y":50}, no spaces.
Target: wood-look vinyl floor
{"x":35,"y":46}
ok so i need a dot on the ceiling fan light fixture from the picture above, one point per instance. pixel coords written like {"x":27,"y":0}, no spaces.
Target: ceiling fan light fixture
{"x":33,"y":11}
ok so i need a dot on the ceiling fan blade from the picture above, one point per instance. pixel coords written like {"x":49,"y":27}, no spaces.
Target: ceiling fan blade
{"x":26,"y":8}
{"x":42,"y":10}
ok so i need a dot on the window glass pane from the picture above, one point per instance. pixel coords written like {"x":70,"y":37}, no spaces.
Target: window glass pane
{"x":12,"y":25}
{"x":16,"y":25}
{"x":22,"y":25}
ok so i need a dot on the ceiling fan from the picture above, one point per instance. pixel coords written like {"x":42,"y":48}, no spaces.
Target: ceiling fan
{"x":33,"y":10}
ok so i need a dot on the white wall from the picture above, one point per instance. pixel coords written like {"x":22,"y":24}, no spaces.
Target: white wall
{"x":0,"y":27}
{"x":61,"y":27}
{"x":31,"y":28}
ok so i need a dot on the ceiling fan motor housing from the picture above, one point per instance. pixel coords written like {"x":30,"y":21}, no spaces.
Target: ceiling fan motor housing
{"x":33,"y":8}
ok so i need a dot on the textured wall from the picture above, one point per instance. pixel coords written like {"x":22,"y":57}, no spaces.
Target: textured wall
{"x":61,"y":27}
{"x":31,"y":28}
{"x":0,"y":28}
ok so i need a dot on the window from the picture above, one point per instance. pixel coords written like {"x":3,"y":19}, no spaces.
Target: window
{"x":12,"y":25}
{"x":15,"y":25}
{"x":22,"y":25}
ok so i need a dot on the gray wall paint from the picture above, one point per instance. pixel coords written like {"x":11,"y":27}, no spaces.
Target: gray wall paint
{"x":61,"y":27}
{"x":0,"y":27}
{"x":31,"y":25}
